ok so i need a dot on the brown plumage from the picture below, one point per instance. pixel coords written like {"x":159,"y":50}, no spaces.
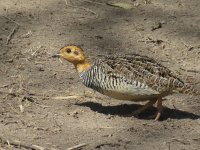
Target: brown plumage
{"x":147,"y":70}
{"x":130,"y":77}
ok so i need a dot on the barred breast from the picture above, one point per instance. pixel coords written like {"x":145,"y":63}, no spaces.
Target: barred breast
{"x":115,"y":87}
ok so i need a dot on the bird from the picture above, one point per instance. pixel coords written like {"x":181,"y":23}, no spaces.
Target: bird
{"x":131,"y":77}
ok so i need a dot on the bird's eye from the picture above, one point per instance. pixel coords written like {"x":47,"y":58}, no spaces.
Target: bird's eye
{"x":68,"y":50}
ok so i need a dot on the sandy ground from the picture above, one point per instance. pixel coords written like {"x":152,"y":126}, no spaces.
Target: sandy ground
{"x":43,"y":103}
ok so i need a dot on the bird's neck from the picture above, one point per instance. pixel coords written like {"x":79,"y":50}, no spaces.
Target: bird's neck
{"x":83,"y":66}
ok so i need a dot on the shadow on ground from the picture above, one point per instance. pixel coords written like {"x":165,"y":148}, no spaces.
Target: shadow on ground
{"x":124,"y":109}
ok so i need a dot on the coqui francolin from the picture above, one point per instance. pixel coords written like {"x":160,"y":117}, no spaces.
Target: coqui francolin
{"x":129,"y":77}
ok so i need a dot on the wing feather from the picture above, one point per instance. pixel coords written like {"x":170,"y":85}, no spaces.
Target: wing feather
{"x":134,"y":67}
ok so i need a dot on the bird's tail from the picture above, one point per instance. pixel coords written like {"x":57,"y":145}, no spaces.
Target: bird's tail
{"x":188,"y":89}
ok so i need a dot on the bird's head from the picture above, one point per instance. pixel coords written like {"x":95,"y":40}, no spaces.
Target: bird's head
{"x":75,"y":55}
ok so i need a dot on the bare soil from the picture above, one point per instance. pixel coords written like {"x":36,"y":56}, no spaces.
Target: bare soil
{"x":43,"y":103}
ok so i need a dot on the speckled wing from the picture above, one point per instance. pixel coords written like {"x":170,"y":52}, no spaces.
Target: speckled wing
{"x":144,"y":70}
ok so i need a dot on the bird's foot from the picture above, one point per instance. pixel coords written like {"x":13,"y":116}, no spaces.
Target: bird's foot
{"x":160,"y":109}
{"x":158,"y":114}
{"x":137,"y":112}
{"x":155,"y":116}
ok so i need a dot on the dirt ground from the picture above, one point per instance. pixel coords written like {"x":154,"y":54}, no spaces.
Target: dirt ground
{"x":43,"y":103}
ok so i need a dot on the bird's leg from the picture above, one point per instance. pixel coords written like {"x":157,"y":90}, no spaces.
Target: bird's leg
{"x":141,"y":109}
{"x":159,"y":108}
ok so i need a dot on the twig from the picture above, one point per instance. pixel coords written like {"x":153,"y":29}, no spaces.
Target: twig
{"x":150,"y":40}
{"x":88,"y":1}
{"x":11,"y":34}
{"x":66,"y":97}
{"x":21,"y":108}
{"x":50,"y":69}
{"x":13,"y":108}
{"x":30,"y":97}
{"x":190,"y":70}
{"x":86,"y":9}
{"x":12,"y":20}
{"x":10,"y":93}
{"x":189,"y":47}
{"x":5,"y":85}
{"x":36,"y":50}
{"x":43,"y":106}
{"x":60,"y":60}
{"x":77,"y":146}
{"x":181,"y":141}
{"x":186,"y":45}
{"x":20,"y":144}
{"x":194,"y":71}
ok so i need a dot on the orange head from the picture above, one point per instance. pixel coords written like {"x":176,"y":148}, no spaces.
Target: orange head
{"x":75,"y":55}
